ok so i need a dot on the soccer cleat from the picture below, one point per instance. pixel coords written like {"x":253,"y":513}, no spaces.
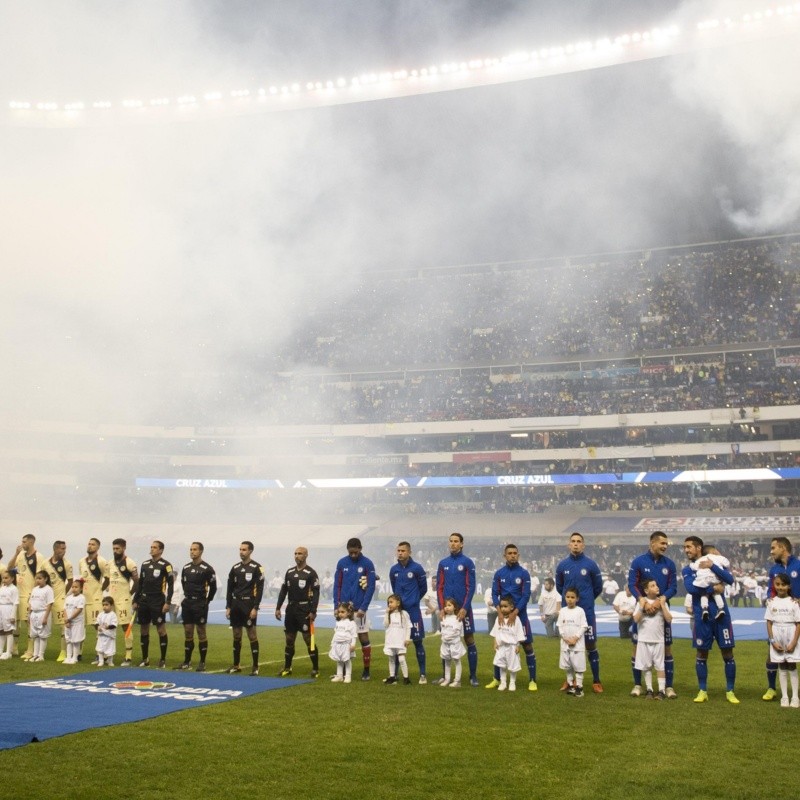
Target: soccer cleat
{"x":6,"y":656}
{"x":670,"y":693}
{"x":597,"y":687}
{"x":473,"y":681}
{"x":493,"y":684}
{"x":636,"y":691}
{"x":365,"y":676}
{"x":578,"y":691}
{"x":390,"y":680}
{"x":347,"y":679}
{"x":784,"y":701}
{"x":512,"y":687}
{"x":234,"y":670}
{"x":501,"y":687}
{"x":35,"y":658}
{"x":315,"y":673}
{"x":109,"y":663}
{"x":126,"y":663}
{"x":532,"y":687}
{"x":705,"y":615}
{"x":571,"y":689}
{"x":565,"y":686}
{"x":406,"y":681}
{"x":61,"y":656}
{"x":702,"y":696}
{"x":732,"y":698}
{"x":201,"y":667}
{"x":254,"y":672}
{"x":285,"y":672}
{"x":720,"y":614}
{"x":26,"y":657}
{"x":661,"y":696}
{"x":422,"y":680}
{"x":95,"y":661}
{"x":337,"y":679}
{"x":162,"y":664}
{"x":183,"y":667}
{"x":145,"y":663}
{"x":795,"y":703}
{"x":648,"y":695}
{"x":770,"y":694}
{"x":453,"y":685}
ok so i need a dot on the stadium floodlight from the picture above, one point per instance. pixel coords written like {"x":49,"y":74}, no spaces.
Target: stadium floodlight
{"x":541,"y":61}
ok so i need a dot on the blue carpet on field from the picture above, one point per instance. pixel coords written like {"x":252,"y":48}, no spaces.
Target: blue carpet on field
{"x":57,"y":706}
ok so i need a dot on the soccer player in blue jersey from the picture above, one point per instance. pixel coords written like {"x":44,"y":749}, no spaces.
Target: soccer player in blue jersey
{"x":354,"y":582}
{"x":706,"y":632}
{"x":654,"y":564}
{"x":410,"y":582}
{"x":455,"y":577}
{"x":780,"y":551}
{"x":513,"y":580}
{"x":580,"y":572}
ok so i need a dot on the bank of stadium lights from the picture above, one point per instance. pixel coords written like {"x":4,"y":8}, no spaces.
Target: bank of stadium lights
{"x":518,"y":65}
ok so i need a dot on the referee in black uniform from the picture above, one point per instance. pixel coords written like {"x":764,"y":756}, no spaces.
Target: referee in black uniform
{"x":245,"y":590}
{"x":152,"y":600}
{"x":301,"y":586}
{"x":199,"y":584}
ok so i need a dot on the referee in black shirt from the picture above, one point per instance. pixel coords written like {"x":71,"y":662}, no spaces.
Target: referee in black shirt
{"x":301,"y":586}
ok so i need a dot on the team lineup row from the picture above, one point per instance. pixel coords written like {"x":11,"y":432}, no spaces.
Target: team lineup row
{"x":144,"y":595}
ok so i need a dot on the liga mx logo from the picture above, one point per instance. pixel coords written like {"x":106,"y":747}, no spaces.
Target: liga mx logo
{"x":143,"y":686}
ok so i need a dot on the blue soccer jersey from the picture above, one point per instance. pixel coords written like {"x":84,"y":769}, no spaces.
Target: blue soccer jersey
{"x":354,"y":582}
{"x":647,"y":567}
{"x":582,"y":573}
{"x":792,"y":569}
{"x":410,"y":582}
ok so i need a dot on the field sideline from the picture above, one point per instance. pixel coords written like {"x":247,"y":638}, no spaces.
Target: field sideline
{"x":332,"y":741}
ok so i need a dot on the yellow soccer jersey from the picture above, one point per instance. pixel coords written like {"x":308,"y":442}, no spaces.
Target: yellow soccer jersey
{"x":94,"y":574}
{"x":26,"y":571}
{"x":60,"y":574}
{"x":119,"y":587}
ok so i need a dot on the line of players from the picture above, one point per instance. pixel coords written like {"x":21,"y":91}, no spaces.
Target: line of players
{"x":147,"y":594}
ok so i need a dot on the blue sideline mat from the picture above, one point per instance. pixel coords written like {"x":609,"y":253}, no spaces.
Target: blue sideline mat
{"x":57,"y":706}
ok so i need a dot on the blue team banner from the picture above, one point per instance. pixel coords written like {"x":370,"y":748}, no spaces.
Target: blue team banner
{"x":475,"y":481}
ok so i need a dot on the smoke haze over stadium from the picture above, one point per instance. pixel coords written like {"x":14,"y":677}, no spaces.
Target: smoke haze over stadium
{"x":182,"y":248}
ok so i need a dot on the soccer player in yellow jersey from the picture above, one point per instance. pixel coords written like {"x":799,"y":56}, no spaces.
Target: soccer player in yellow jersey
{"x":123,"y":581}
{"x":24,"y":564}
{"x":94,"y":571}
{"x":60,"y":572}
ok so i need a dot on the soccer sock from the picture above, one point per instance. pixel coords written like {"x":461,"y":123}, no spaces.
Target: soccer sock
{"x":446,"y":672}
{"x":254,"y":652}
{"x":512,"y":680}
{"x":496,"y":673}
{"x":637,"y":673}
{"x":314,"y":658}
{"x":366,"y":654}
{"x":648,"y":680}
{"x":662,"y":683}
{"x":772,"y":671}
{"x":579,"y":679}
{"x":472,"y":659}
{"x":188,"y":649}
{"x":392,"y":667}
{"x":145,"y":641}
{"x":202,"y":646}
{"x":3,"y":638}
{"x":594,"y":663}
{"x":457,"y":677}
{"x":348,"y":668}
{"x":128,"y":644}
{"x":669,"y":669}
{"x":718,"y":601}
{"x":783,"y":675}
{"x":237,"y":652}
{"x":530,"y":661}
{"x":288,"y":656}
{"x":730,"y":674}
{"x":162,"y":643}
{"x":701,"y":668}
{"x":418,"y":646}
{"x":404,"y":666}
{"x":502,"y":672}
{"x":793,"y":677}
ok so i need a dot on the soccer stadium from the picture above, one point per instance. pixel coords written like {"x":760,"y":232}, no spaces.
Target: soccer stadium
{"x":322,"y":277}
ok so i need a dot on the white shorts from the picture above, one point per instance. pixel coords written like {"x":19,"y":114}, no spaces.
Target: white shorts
{"x":106,"y":646}
{"x":572,"y":660}
{"x":8,"y":619}
{"x":340,"y":652}
{"x":39,"y":631}
{"x":507,"y":658}
{"x":362,"y":624}
{"x":649,"y":655}
{"x":75,"y":632}
{"x":452,"y":651}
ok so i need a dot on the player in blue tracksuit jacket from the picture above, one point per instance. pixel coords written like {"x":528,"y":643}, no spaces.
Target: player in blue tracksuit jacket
{"x":354,"y":582}
{"x":512,"y":579}
{"x":455,"y":577}
{"x":582,"y":573}
{"x":655,"y":564}
{"x":780,"y":552}
{"x":409,"y":580}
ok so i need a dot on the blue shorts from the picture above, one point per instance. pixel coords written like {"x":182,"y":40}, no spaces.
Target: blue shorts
{"x":417,"y":627}
{"x":705,"y":633}
{"x":522,"y":616}
{"x":469,"y":621}
{"x":590,"y":637}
